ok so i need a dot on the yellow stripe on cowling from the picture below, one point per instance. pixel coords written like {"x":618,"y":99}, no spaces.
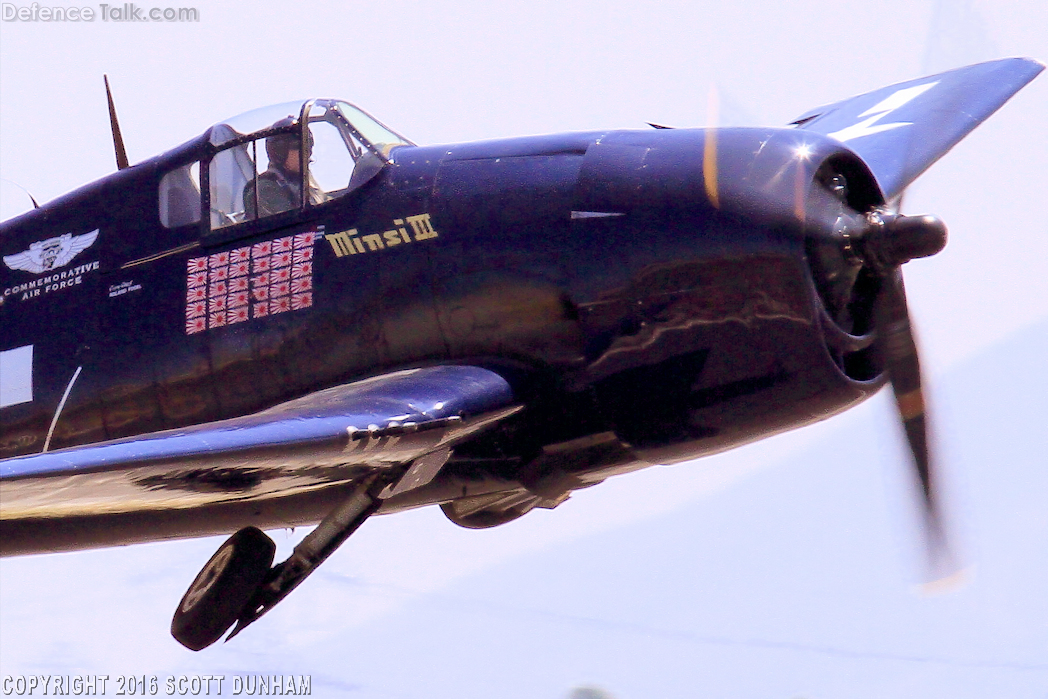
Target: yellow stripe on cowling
{"x":709,"y":149}
{"x":800,"y":181}
{"x":709,"y":167}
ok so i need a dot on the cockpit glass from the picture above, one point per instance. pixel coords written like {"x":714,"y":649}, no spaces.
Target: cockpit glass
{"x":255,"y":120}
{"x":375,"y":133}
{"x":332,"y":158}
{"x":267,"y":164}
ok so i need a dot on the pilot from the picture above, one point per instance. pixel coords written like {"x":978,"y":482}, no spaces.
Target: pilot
{"x":279,"y":188}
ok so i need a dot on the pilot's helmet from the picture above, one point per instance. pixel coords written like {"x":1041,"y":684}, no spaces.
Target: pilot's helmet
{"x":279,"y":145}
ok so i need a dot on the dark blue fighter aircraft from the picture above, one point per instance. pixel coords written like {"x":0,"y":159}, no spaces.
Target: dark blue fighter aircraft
{"x":303,"y":317}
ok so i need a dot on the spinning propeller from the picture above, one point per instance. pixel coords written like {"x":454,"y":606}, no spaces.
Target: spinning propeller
{"x":857,"y":261}
{"x":897,"y":132}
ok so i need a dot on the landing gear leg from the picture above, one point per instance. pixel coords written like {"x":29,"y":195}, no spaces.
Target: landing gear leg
{"x":238,"y":586}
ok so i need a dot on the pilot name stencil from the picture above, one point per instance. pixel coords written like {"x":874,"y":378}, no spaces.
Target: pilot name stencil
{"x":254,"y":281}
{"x":350,"y":242}
{"x":123,"y":288}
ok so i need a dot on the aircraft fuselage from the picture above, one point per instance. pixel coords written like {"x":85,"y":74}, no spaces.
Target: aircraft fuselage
{"x":645,"y":313}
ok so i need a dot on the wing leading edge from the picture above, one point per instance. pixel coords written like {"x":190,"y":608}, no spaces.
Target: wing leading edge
{"x":901,"y":130}
{"x":297,"y":452}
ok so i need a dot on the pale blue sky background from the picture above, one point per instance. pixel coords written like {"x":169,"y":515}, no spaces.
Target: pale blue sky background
{"x":781,"y":570}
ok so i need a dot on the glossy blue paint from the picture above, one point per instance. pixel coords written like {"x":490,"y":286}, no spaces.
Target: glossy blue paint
{"x":647,"y":296}
{"x":900,"y":130}
{"x":321,"y":425}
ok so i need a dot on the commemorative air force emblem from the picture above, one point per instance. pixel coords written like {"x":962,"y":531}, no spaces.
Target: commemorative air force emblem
{"x":46,"y":255}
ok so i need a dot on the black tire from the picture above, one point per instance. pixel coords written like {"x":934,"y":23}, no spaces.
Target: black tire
{"x":222,"y":588}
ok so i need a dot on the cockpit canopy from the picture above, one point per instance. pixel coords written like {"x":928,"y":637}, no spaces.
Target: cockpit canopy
{"x":335,"y":112}
{"x":279,"y":158}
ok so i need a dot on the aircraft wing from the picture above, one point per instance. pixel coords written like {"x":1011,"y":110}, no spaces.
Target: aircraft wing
{"x":901,"y":130}
{"x":305,"y":449}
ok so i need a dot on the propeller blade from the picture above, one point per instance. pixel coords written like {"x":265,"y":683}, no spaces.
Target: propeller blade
{"x":844,"y":247}
{"x":898,"y":350}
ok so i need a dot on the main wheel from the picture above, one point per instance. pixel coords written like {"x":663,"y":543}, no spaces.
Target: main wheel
{"x":221,"y":590}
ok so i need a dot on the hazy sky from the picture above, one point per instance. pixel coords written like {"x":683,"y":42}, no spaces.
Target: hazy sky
{"x":416,"y":607}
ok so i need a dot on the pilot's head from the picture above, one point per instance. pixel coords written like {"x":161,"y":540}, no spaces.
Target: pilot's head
{"x":283,"y":151}
{"x":283,"y":148}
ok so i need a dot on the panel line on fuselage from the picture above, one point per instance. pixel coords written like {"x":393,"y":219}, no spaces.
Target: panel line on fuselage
{"x":161,"y":255}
